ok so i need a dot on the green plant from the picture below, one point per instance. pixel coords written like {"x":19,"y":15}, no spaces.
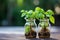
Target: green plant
{"x":28,"y":14}
{"x":41,"y":14}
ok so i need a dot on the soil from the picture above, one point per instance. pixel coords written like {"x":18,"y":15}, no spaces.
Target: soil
{"x":31,"y":34}
{"x":44,"y":33}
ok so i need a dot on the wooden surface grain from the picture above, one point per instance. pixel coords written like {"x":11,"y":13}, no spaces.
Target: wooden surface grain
{"x":54,"y":36}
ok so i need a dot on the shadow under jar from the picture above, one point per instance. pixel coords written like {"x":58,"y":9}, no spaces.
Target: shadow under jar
{"x":30,"y":28}
{"x":44,"y":32}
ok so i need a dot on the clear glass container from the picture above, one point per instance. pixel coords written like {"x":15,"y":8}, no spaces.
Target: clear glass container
{"x":44,"y":31}
{"x":30,"y":28}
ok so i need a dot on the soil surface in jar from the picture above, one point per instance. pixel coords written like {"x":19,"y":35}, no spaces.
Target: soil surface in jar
{"x":31,"y":34}
{"x":44,"y":33}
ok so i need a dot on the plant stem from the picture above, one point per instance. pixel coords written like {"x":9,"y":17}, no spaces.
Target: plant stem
{"x":30,"y":29}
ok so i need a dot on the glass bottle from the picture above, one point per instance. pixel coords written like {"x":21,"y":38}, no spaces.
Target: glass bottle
{"x":44,"y":31}
{"x":30,"y":28}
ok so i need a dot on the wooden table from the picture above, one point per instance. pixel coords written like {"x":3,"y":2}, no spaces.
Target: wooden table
{"x":15,"y":33}
{"x":54,"y":36}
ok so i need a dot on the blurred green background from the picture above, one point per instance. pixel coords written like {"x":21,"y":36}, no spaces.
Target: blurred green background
{"x":10,"y":10}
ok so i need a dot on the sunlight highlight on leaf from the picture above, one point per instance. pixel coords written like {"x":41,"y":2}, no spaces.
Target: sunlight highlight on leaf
{"x":52,"y":20}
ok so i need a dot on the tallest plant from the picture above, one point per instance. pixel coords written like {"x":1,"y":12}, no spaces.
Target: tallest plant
{"x":44,"y":18}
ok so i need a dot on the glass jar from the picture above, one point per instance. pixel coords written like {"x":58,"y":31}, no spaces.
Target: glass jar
{"x":30,"y":28}
{"x":44,"y":31}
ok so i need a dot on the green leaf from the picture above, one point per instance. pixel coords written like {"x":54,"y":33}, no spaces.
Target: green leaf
{"x":23,"y":14}
{"x":33,"y":15}
{"x":27,"y":16}
{"x":41,"y":16}
{"x":37,"y":9}
{"x":52,"y":20}
{"x":22,"y":10}
{"x":47,"y":14}
{"x":30,"y":11}
{"x":50,"y":12}
{"x":42,"y":11}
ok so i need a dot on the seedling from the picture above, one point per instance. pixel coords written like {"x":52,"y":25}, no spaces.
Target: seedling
{"x":42,"y":15}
